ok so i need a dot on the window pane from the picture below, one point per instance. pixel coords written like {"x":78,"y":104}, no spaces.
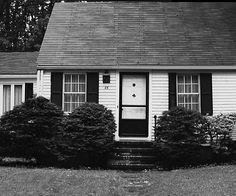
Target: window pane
{"x":180,"y":88}
{"x":67,"y":88}
{"x":188,"y":106}
{"x":18,"y":94}
{"x":74,"y":87}
{"x":180,"y":79}
{"x":67,"y":98}
{"x":75,"y":98}
{"x":187,"y":98}
{"x":6,"y":98}
{"x":180,"y":98}
{"x":133,"y":112}
{"x":195,"y":107}
{"x":195,"y":79}
{"x":188,"y":88}
{"x":82,"y":78}
{"x":75,"y":78}
{"x":187,"y":79}
{"x":195,"y":98}
{"x":67,"y":107}
{"x":67,"y":78}
{"x":82,"y":98}
{"x":82,"y":88}
{"x":74,"y":105}
{"x":195,"y":88}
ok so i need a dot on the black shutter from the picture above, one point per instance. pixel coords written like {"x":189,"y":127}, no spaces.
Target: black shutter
{"x":56,"y":88}
{"x":92,"y":87}
{"x":172,"y":90}
{"x":28,"y":90}
{"x":206,"y":93}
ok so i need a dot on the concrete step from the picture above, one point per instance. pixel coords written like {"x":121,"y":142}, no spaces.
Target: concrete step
{"x":132,"y":156}
{"x":134,"y":150}
{"x":133,"y":144}
{"x":127,"y":165}
{"x":146,"y":158}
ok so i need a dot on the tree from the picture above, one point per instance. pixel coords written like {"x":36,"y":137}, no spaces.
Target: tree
{"x":23,"y":23}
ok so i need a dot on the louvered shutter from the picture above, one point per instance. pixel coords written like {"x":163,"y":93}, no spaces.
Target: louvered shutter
{"x":172,"y":90}
{"x":92,"y":87}
{"x":56,"y":88}
{"x":28,"y":90}
{"x":206,"y":93}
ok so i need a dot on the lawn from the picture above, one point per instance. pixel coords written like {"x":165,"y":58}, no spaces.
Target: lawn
{"x":218,"y":180}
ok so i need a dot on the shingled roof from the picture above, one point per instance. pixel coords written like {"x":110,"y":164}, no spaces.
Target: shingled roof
{"x":140,"y":35}
{"x":18,"y":63}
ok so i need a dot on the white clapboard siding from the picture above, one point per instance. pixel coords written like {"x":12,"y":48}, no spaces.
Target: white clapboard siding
{"x":224,"y":92}
{"x":107,"y":92}
{"x":233,"y":135}
{"x":35,"y":87}
{"x":46,"y":85}
{"x":43,"y":87}
{"x":159,"y":95}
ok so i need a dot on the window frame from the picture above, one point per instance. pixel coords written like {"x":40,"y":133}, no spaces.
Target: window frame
{"x":199,"y":89}
{"x":63,"y":88}
{"x":12,"y":85}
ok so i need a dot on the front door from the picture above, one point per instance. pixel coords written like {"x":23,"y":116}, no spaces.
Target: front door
{"x":133,"y":118}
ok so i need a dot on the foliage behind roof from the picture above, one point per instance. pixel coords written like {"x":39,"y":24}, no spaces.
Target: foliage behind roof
{"x":140,"y":35}
{"x":17,"y":63}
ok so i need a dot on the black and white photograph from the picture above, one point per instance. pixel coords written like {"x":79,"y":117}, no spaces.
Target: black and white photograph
{"x":117,"y":98}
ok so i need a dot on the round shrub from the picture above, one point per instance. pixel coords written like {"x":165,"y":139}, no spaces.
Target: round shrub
{"x":179,"y":136}
{"x":29,"y":130}
{"x":88,"y":135}
{"x":182,"y":126}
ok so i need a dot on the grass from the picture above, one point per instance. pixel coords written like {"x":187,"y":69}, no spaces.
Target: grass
{"x":217,"y":180}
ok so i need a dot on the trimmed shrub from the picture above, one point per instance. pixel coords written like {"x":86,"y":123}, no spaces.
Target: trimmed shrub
{"x":182,"y":126}
{"x":179,"y":136}
{"x":88,"y":136}
{"x":29,"y":130}
{"x":220,"y":129}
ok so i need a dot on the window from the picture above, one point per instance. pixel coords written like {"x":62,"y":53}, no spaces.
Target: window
{"x":6,"y":98}
{"x":18,"y":95}
{"x":74,"y":91}
{"x":12,"y":96}
{"x":188,"y":91}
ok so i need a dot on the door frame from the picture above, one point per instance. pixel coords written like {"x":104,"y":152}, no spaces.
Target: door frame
{"x":121,"y":74}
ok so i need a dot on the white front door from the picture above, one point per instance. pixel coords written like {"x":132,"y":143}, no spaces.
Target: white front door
{"x":133,"y":105}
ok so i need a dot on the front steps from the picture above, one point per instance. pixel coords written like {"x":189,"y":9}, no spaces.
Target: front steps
{"x":132,"y":155}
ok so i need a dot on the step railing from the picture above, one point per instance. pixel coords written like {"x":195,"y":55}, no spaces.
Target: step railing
{"x":155,"y":126}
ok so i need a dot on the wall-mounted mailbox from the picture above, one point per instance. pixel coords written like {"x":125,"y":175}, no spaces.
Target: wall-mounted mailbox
{"x":106,"y":79}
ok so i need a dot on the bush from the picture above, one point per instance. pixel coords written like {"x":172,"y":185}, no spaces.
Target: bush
{"x":180,"y":125}
{"x":88,"y":135}
{"x":220,"y":129}
{"x":179,"y":136}
{"x":29,"y":130}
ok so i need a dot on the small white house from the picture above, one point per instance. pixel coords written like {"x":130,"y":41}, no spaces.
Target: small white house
{"x":140,"y":59}
{"x":17,"y":78}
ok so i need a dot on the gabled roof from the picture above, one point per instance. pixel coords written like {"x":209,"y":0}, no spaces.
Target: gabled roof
{"x":18,"y":63}
{"x":140,"y":35}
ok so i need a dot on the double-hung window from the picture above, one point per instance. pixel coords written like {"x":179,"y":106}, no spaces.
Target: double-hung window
{"x":74,"y":91}
{"x":188,"y":91}
{"x":12,"y":96}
